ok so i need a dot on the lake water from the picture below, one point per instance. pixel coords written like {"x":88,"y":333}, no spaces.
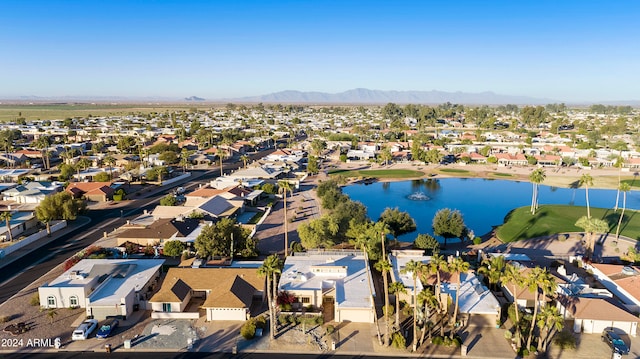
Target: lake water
{"x":483,"y":203}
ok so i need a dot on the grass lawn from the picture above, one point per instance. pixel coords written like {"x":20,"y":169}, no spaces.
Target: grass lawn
{"x":453,"y":170}
{"x":551,"y":219}
{"x":634,"y":183}
{"x":390,"y":173}
{"x":500,"y":174}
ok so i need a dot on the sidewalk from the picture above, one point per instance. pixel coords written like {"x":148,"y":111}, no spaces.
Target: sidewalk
{"x":80,"y":222}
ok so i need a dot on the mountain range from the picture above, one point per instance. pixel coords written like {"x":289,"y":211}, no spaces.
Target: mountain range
{"x":366,"y":96}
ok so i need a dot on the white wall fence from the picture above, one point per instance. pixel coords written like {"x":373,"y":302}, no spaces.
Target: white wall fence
{"x":174,"y":315}
{"x":176,"y":179}
{"x":34,"y":237}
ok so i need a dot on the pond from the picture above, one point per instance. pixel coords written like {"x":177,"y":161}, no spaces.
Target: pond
{"x":483,"y":202}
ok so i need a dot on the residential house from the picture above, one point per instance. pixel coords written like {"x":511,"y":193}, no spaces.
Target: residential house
{"x":91,"y":191}
{"x":476,"y":303}
{"x":506,"y":159}
{"x":224,"y":293}
{"x":338,"y":281}
{"x":31,"y":192}
{"x":622,"y":281}
{"x":158,"y":232}
{"x":104,"y":287}
{"x":594,"y":315}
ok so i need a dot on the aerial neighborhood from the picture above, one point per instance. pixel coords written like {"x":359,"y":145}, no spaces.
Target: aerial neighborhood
{"x":268,"y":227}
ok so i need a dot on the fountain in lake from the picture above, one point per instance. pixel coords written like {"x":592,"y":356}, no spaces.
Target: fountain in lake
{"x":418,"y":196}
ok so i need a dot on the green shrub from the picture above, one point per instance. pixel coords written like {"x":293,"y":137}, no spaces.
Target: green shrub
{"x":565,"y":340}
{"x":261,"y":322}
{"x":330,"y":329}
{"x":398,"y":341}
{"x":319,"y":320}
{"x":456,"y":342}
{"x":35,"y":299}
{"x":248,"y":330}
{"x":293,"y":319}
{"x":477,"y":240}
{"x":437,"y":340}
{"x":283,"y":319}
{"x":508,"y":335}
{"x":4,"y":318}
{"x":389,"y":310}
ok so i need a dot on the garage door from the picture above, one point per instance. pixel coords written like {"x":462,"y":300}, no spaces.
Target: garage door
{"x":355,"y":315}
{"x":599,"y":326}
{"x":624,"y":326}
{"x":227,"y":314}
{"x":101,"y":313}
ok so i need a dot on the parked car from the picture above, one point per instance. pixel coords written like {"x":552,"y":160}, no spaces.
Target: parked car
{"x":107,"y":328}
{"x":83,"y":330}
{"x":615,"y":342}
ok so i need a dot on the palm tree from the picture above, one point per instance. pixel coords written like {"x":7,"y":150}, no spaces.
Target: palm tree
{"x":42,"y":143}
{"x":51,"y":313}
{"x":438,"y":264}
{"x":396,"y":288}
{"x":270,"y":268}
{"x":244,"y":159}
{"x":284,"y":187}
{"x":539,"y":280}
{"x":624,"y":188}
{"x":83,"y":164}
{"x":591,"y":226}
{"x":460,"y":266}
{"x":415,"y":268}
{"x":109,"y":161}
{"x":586,"y":180}
{"x":512,"y":275}
{"x":550,"y":320}
{"x":493,"y":269}
{"x":536,"y":177}
{"x":428,"y":299}
{"x":6,"y":216}
{"x":383,"y":266}
{"x":220,"y":153}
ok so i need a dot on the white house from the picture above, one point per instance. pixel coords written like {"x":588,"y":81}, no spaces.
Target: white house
{"x":337,"y":281}
{"x":105,"y":287}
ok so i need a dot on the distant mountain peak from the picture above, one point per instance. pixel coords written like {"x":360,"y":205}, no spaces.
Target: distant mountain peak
{"x":194,"y":98}
{"x":367,"y":96}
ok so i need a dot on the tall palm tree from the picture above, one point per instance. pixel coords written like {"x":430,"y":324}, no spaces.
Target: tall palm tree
{"x":6,"y":216}
{"x":624,"y":188}
{"x":244,"y":159}
{"x":396,"y":288}
{"x":415,"y":268}
{"x":428,"y":300}
{"x":550,"y":320}
{"x":591,"y":226}
{"x":270,"y":268}
{"x":383,"y":266}
{"x":512,"y":275}
{"x":460,"y":266}
{"x":438,"y":264}
{"x":284,"y":187}
{"x":586,"y":180}
{"x":539,"y":281}
{"x":109,"y":161}
{"x":220,"y":153}
{"x":42,"y":143}
{"x":536,"y":177}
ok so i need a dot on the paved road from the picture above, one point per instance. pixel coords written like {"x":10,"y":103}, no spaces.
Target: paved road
{"x":21,"y":272}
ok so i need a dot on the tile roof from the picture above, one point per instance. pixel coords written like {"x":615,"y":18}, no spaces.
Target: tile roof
{"x":595,"y":309}
{"x":229,"y":287}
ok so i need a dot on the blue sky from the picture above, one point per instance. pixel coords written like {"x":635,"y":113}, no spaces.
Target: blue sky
{"x":563,"y":50}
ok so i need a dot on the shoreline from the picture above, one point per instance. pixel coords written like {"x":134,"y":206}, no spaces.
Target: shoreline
{"x":562,"y":177}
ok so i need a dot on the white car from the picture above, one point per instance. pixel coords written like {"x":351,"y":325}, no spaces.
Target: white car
{"x":83,"y":330}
